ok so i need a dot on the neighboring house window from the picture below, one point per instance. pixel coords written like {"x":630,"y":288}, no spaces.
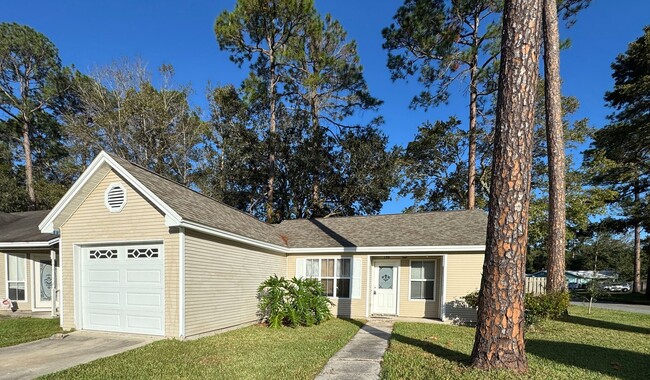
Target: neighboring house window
{"x":423,"y":279}
{"x":16,"y":278}
{"x":334,"y":274}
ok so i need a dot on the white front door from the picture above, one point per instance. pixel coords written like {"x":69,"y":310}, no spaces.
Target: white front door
{"x":122,"y":289}
{"x":384,"y":287}
{"x":43,"y":281}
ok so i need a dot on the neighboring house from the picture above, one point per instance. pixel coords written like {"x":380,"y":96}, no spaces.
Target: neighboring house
{"x":26,"y":257}
{"x":581,"y":277}
{"x":142,"y":254}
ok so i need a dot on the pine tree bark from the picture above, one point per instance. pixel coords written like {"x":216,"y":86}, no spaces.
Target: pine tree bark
{"x":499,"y":341}
{"x":636,"y":285}
{"x":270,"y":207}
{"x":473,"y":99}
{"x":555,"y":149}
{"x":29,"y":170}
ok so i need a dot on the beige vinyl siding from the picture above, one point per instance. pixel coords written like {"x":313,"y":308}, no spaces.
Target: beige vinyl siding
{"x":343,"y":307}
{"x":418,"y":308}
{"x":139,"y":221}
{"x":221,"y":281}
{"x":464,"y":272}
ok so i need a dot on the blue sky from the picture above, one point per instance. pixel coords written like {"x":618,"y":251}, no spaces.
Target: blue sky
{"x":90,"y":33}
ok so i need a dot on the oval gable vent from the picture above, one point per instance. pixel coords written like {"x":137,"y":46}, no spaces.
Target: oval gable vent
{"x":115,"y":197}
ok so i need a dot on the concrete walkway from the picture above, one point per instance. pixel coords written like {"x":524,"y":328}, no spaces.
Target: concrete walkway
{"x":33,"y":359}
{"x":361,"y":357}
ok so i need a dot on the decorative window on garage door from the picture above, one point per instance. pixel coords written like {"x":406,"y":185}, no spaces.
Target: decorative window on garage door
{"x":102,"y":254}
{"x":142,"y":253}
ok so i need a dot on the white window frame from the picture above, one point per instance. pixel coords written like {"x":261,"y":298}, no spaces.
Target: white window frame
{"x":336,"y":273}
{"x":19,"y":256}
{"x":411,"y":279}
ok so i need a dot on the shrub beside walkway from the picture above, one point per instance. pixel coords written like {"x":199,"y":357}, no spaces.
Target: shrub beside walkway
{"x":361,"y":357}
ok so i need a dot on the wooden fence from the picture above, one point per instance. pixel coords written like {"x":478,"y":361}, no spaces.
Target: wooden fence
{"x":536,"y":285}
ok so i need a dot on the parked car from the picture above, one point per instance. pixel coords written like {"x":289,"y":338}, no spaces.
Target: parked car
{"x":618,"y":288}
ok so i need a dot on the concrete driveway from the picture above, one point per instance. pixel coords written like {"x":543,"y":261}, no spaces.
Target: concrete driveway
{"x":645,"y":309}
{"x":33,"y":359}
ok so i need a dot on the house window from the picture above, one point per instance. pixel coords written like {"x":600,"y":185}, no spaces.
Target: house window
{"x":334,"y":274}
{"x":16,"y":278}
{"x":423,"y":276}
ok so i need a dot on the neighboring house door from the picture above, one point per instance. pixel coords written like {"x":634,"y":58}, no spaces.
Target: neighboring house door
{"x":384,"y":287}
{"x":122,"y":289}
{"x":43,"y":281}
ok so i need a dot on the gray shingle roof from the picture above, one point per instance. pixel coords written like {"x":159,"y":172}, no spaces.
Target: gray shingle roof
{"x":195,"y":207}
{"x":442,"y":228}
{"x":23,"y":227}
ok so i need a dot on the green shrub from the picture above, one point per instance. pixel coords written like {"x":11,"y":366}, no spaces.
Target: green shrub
{"x":538,"y":307}
{"x":295,"y":302}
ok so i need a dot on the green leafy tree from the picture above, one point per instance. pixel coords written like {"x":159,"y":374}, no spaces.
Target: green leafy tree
{"x":32,"y":87}
{"x":263,"y":31}
{"x":619,"y":157}
{"x":325,"y":84}
{"x":232,"y":164}
{"x":434,"y":168}
{"x":441,"y":45}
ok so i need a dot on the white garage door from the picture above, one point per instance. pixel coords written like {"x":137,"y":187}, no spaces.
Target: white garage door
{"x":122,"y":289}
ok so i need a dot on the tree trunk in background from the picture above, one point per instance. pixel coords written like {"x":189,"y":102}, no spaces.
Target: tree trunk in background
{"x":555,"y":281}
{"x":499,"y":341}
{"x":270,"y":210}
{"x":636,"y":286}
{"x":29,"y":171}
{"x":473,"y":98}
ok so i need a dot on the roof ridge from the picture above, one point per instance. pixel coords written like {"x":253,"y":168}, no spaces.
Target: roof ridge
{"x":188,"y":188}
{"x":385,"y":215}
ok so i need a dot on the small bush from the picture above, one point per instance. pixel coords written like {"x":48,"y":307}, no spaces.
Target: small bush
{"x":538,"y":307}
{"x":295,"y":302}
{"x":547,"y":306}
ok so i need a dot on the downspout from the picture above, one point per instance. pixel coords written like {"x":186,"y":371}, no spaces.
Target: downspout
{"x":53,"y":289}
{"x":181,"y":282}
{"x":443,"y":296}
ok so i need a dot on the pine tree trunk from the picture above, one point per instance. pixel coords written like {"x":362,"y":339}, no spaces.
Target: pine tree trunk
{"x":647,"y":284}
{"x":636,"y":286}
{"x":555,"y":281}
{"x":270,"y":210}
{"x":499,"y":341}
{"x":473,"y":98}
{"x":29,"y":170}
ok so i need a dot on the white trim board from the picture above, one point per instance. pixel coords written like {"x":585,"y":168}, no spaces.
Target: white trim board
{"x":30,"y":244}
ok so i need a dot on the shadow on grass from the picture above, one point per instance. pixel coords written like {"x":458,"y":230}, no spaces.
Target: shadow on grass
{"x":604,"y":324}
{"x":607,"y":361}
{"x":434,"y":349}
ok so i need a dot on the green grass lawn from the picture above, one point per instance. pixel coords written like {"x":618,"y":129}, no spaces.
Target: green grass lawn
{"x":605,"y":344}
{"x":254,"y":352}
{"x":20,"y":330}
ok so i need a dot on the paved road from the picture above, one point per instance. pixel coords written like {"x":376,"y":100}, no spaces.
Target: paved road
{"x":33,"y":359}
{"x":645,"y":309}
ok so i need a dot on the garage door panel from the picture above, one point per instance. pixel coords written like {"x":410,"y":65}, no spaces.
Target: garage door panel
{"x":103,"y":276}
{"x":123,"y":293}
{"x":143,"y":299}
{"x":141,"y":276}
{"x":107,"y":319}
{"x":106,"y":298}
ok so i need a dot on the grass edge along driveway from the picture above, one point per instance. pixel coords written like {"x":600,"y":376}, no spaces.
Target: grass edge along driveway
{"x":17,"y":330}
{"x":254,"y":352}
{"x":604,"y":345}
